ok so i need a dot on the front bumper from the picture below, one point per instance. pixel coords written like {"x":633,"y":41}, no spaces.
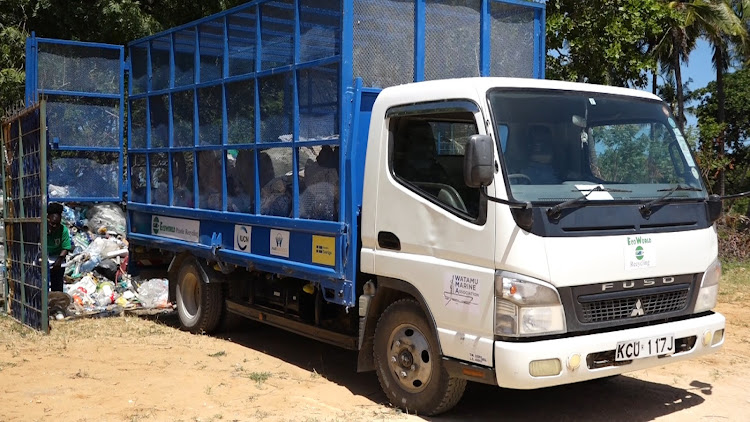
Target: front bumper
{"x":512,"y":360}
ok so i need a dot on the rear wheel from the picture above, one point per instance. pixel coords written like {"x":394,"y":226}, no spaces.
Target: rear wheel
{"x":408,"y":362}
{"x":200,"y":305}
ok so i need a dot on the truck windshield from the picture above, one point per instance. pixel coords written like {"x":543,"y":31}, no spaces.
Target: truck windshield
{"x":558,"y":145}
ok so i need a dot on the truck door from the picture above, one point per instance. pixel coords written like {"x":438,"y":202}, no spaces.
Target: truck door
{"x":433,"y":231}
{"x":83,"y":84}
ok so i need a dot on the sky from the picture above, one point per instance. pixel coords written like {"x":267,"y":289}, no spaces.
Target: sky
{"x":700,"y":69}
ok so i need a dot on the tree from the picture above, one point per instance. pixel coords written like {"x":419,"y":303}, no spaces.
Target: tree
{"x":736,"y":131}
{"x":718,"y":22}
{"x":604,"y":41}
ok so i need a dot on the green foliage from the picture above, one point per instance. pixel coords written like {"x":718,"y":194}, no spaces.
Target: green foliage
{"x":12,"y":56}
{"x":604,"y":41}
{"x":736,"y":131}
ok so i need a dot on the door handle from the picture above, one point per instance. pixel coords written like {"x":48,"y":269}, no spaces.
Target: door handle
{"x":388,"y":240}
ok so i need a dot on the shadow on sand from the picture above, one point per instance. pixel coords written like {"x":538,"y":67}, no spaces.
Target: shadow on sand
{"x":620,"y":398}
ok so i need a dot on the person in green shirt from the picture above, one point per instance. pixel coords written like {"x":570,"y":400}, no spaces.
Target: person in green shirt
{"x":58,"y":245}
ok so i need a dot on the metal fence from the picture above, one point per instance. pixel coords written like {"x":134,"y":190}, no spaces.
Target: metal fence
{"x":24,"y":168}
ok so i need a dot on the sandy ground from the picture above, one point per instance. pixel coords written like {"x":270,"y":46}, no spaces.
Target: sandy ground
{"x":136,"y":369}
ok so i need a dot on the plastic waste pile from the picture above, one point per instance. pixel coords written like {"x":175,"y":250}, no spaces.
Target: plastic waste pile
{"x":96,"y":277}
{"x":94,"y":294}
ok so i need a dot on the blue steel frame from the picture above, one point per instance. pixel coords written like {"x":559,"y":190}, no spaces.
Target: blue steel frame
{"x":217,"y":227}
{"x":354,"y":105}
{"x":35,"y":92}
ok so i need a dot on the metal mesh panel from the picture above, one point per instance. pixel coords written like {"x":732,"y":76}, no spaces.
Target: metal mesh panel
{"x":182,"y":179}
{"x":320,"y":29}
{"x":25,"y":195}
{"x":159,"y":107}
{"x":318,"y":103}
{"x":276,"y":107}
{"x":159,"y":173}
{"x":160,"y":63}
{"x":241,"y":179}
{"x":210,"y":176}
{"x":383,"y":51}
{"x":184,"y":57}
{"x":138,"y":177}
{"x":82,"y":69}
{"x":212,"y":50}
{"x":618,"y":309}
{"x":241,"y":38}
{"x":183,"y":106}
{"x":82,"y":121}
{"x":319,"y":183}
{"x":452,"y":39}
{"x":276,"y":195}
{"x":277,"y":33}
{"x":512,"y":40}
{"x":139,"y":68}
{"x":241,"y":112}
{"x":138,"y":123}
{"x":210,"y":115}
{"x":77,"y":174}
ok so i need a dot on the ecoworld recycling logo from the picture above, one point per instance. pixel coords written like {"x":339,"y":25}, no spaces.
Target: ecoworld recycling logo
{"x":639,"y":254}
{"x":155,"y":225}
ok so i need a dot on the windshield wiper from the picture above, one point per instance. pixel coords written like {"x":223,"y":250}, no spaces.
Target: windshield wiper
{"x":554,"y":212}
{"x":647,"y":208}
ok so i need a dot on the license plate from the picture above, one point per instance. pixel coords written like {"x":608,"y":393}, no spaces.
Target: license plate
{"x":645,"y":347}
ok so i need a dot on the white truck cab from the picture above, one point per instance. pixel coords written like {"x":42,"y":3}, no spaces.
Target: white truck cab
{"x":553,"y":233}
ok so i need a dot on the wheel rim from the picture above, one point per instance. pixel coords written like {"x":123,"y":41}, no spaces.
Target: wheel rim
{"x":190,"y":294}
{"x":410,"y":358}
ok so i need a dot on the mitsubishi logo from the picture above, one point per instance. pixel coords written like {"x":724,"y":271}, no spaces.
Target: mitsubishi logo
{"x":638,"y":310}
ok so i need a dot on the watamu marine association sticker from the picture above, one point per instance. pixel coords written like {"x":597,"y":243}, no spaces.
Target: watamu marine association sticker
{"x":461,"y":293}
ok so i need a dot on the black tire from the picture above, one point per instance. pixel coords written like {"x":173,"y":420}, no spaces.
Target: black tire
{"x":200,"y":305}
{"x":406,"y":344}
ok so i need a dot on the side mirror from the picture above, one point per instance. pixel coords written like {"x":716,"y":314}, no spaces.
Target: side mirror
{"x":479,"y":161}
{"x":715,"y":207}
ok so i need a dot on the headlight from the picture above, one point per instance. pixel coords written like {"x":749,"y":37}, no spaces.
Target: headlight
{"x":526,"y":307}
{"x":709,"y":288}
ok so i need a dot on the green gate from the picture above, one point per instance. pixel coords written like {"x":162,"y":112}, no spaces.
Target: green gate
{"x":24,"y":168}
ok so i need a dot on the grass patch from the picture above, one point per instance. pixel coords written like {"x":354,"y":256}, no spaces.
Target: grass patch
{"x":259,"y":377}
{"x":220,"y":353}
{"x":735,"y":282}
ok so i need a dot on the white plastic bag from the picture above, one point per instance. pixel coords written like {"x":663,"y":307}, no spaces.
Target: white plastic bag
{"x":154,"y":293}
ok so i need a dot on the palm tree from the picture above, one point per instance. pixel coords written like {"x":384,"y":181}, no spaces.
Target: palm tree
{"x":719,"y":23}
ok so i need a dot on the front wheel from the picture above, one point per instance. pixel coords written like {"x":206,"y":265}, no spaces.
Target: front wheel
{"x":199,"y":304}
{"x":408,"y":362}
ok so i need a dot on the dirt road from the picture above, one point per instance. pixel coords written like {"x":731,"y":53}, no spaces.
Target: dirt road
{"x":134,"y":369}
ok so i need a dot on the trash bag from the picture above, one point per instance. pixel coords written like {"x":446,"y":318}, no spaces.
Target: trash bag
{"x":107,"y":268}
{"x":110,"y":216}
{"x":154,"y":293}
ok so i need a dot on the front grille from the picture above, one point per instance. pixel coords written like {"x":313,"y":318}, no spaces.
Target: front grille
{"x":627,"y":307}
